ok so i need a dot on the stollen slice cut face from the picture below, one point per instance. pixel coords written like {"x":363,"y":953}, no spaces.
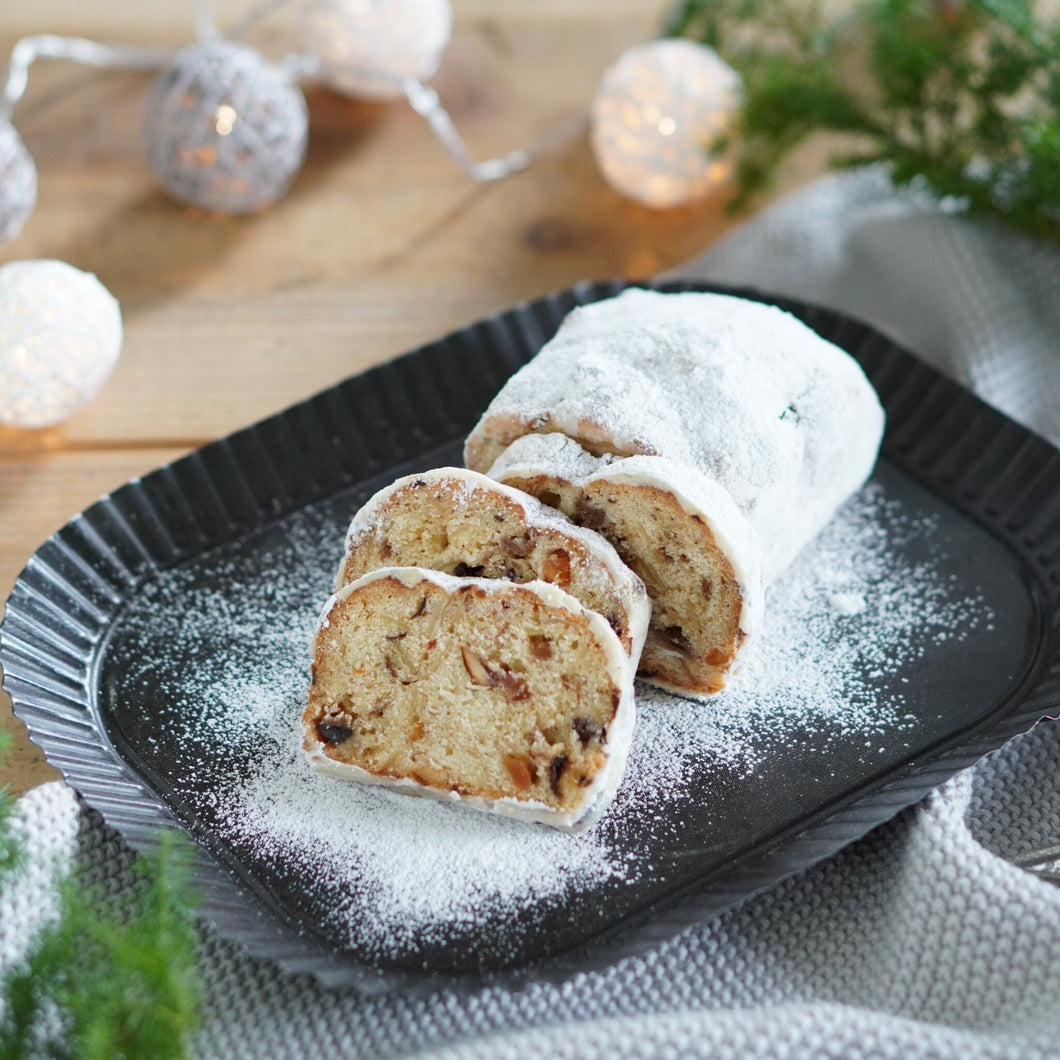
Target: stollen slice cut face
{"x":503,"y":697}
{"x":466,"y":524}
{"x":682,"y":534}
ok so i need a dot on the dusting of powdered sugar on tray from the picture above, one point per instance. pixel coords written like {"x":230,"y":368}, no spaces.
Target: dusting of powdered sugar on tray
{"x":225,"y":656}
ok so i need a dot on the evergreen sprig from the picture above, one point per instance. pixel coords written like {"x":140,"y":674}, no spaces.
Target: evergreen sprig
{"x":107,"y":980}
{"x":10,"y":850}
{"x":961,"y":97}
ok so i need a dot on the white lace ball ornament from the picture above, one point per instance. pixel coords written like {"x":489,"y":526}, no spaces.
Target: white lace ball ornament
{"x":224,"y":128}
{"x":367,"y":47}
{"x":60,"y":336}
{"x":656,"y":114}
{"x":18,"y":183}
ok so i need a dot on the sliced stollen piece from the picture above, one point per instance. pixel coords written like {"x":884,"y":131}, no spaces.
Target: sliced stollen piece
{"x":463,"y":523}
{"x":745,"y":393}
{"x":511,"y":698}
{"x":682,"y":534}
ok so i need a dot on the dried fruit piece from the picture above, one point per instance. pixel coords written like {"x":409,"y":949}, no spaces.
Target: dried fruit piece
{"x":477,"y":669}
{"x":585,"y":730}
{"x":555,"y":771}
{"x":519,"y":547}
{"x":586,"y":514}
{"x":514,"y":686}
{"x":675,"y":637}
{"x":520,"y":770}
{"x":332,"y":733}
{"x":540,"y":646}
{"x":556,"y":568}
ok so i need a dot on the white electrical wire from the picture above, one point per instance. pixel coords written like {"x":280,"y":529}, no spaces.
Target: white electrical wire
{"x":425,"y":102}
{"x":205,"y":22}
{"x":423,"y":99}
{"x":74,"y":49}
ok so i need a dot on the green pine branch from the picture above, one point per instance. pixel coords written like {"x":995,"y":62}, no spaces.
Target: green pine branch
{"x":10,"y":852}
{"x":107,"y":980}
{"x":959,"y":96}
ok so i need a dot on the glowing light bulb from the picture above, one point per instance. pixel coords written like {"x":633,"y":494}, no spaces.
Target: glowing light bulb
{"x":656,"y":115}
{"x":224,"y":128}
{"x":60,"y":336}
{"x":368,"y":47}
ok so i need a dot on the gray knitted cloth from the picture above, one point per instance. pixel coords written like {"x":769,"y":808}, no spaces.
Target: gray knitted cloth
{"x":921,"y":940}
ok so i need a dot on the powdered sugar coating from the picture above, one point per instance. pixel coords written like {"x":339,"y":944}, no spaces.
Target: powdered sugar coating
{"x":594,"y":798}
{"x":741,"y":391}
{"x":222,"y":653}
{"x":561,"y":457}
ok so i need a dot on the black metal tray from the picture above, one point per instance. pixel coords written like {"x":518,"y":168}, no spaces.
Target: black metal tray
{"x":88,"y":656}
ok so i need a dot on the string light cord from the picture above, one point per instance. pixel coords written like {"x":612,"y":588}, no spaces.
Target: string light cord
{"x":225,"y":128}
{"x":205,"y":22}
{"x":73,"y":49}
{"x":425,"y":101}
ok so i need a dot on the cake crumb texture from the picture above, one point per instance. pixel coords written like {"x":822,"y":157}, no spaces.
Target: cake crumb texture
{"x":465,"y":524}
{"x":479,"y":689}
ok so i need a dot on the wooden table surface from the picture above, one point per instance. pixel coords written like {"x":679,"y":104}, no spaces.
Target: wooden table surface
{"x":382,"y":244}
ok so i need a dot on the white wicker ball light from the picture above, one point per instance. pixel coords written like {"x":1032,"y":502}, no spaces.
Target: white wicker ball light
{"x":18,"y":183}
{"x":60,"y":336}
{"x":655,"y":116}
{"x":367,"y":48}
{"x":224,"y":128}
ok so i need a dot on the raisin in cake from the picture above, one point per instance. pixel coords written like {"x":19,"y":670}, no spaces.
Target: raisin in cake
{"x":513,"y":698}
{"x":678,"y":530}
{"x":743,"y":394}
{"x":463,"y":523}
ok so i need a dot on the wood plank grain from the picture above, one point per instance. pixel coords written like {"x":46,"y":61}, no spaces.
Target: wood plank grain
{"x":382,"y":243}
{"x":125,"y":18}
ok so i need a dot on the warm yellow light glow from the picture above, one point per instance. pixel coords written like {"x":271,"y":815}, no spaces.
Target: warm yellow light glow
{"x":225,"y":119}
{"x":657,"y":113}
